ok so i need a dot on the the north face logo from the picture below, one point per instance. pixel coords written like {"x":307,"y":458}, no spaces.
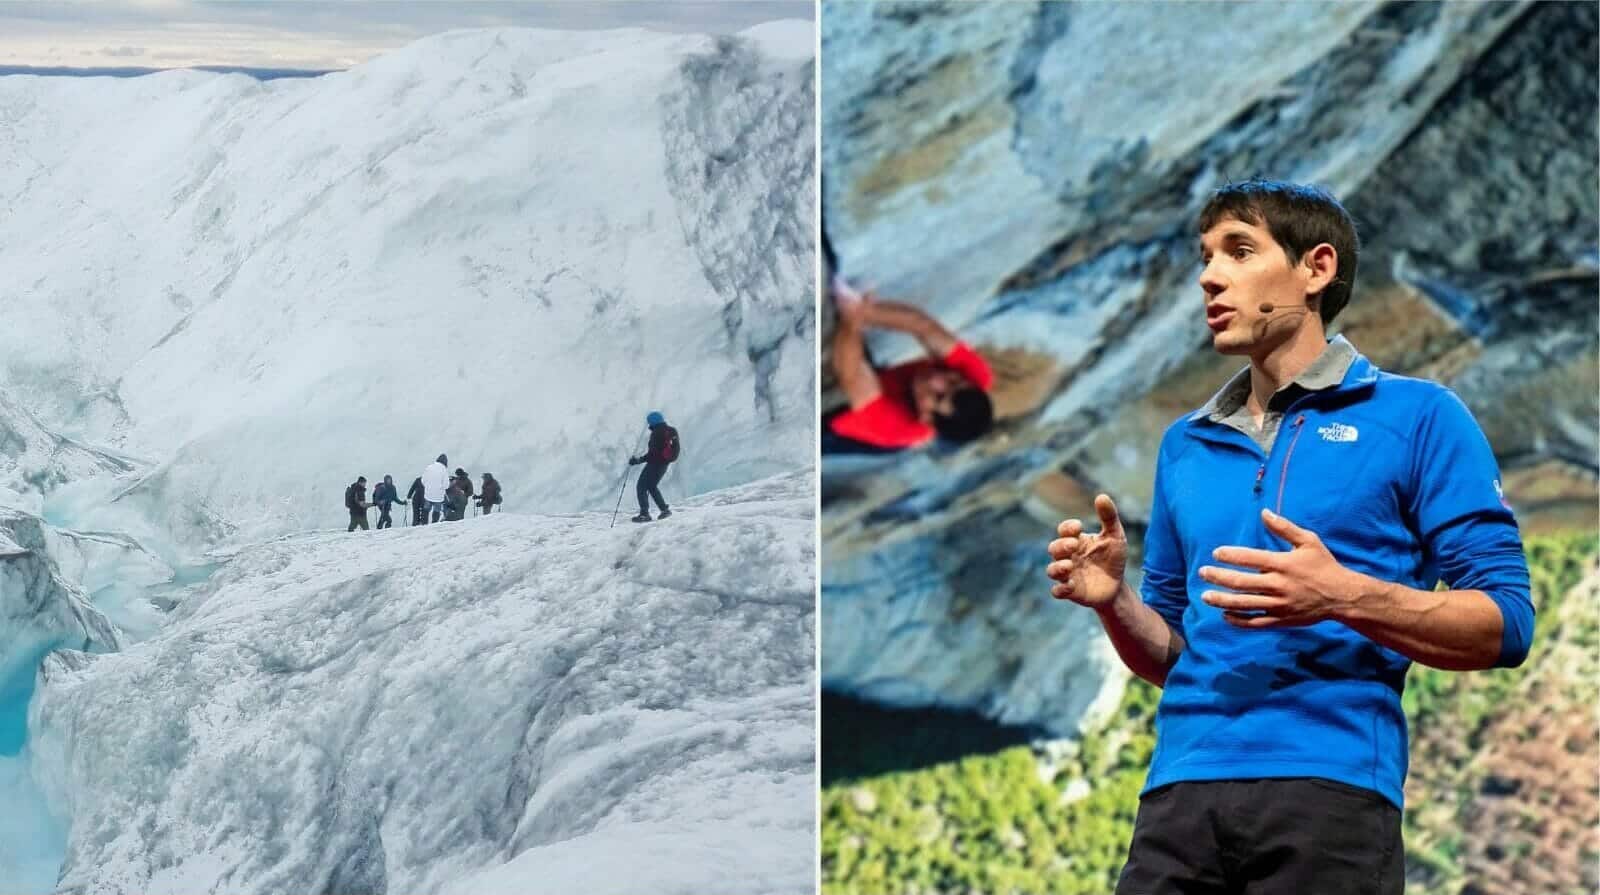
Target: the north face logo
{"x":1500,"y":491}
{"x":1338,"y":432}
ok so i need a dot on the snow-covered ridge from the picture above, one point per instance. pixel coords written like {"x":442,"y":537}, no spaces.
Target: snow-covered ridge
{"x":505,"y":245}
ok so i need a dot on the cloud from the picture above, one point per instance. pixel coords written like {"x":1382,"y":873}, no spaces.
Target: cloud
{"x":331,"y":35}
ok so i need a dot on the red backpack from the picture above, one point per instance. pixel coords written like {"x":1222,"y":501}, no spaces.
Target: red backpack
{"x":670,"y":448}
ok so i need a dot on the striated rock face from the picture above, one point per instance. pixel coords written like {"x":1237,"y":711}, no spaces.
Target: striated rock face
{"x":1031,"y":173}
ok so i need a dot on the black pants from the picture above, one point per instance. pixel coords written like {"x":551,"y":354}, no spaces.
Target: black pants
{"x":1295,"y":836}
{"x":648,"y":480}
{"x":383,"y":517}
{"x":358,"y":519}
{"x":419,"y":512}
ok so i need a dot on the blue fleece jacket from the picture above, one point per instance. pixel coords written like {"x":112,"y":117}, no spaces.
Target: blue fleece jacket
{"x":1396,"y":478}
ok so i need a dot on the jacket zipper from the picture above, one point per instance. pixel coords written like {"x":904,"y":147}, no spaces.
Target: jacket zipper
{"x":1283,"y":476}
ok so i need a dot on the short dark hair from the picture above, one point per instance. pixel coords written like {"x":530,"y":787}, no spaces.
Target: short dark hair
{"x":971,"y":416}
{"x":361,"y":478}
{"x":1300,"y":217}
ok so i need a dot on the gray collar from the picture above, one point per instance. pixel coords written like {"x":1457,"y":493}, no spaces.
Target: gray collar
{"x":1327,"y":371}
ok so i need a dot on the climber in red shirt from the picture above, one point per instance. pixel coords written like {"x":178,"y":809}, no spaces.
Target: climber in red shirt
{"x":905,"y":406}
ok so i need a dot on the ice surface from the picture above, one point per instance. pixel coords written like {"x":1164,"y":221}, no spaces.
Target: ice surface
{"x":231,"y":297}
{"x":34,"y":460}
{"x":507,"y":704}
{"x":40,"y":610}
{"x":30,"y":840}
{"x":504,"y":245}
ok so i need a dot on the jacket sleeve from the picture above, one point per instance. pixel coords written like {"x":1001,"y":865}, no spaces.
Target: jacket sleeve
{"x":1467,"y":528}
{"x":1166,"y":574}
{"x":658,"y":441}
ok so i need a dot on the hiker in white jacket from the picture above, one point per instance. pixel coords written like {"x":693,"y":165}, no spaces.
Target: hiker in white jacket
{"x":435,"y":481}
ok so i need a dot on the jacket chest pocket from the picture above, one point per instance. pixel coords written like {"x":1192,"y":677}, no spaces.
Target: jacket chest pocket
{"x":1218,"y":499}
{"x":1336,"y":479}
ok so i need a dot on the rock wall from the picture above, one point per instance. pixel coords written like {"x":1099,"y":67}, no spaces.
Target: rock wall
{"x":1031,"y":174}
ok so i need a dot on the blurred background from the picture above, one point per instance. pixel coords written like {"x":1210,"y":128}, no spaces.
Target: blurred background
{"x":1031,"y":173}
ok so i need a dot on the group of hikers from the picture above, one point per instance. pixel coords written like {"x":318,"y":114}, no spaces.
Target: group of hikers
{"x":435,"y":496}
{"x":439,"y":496}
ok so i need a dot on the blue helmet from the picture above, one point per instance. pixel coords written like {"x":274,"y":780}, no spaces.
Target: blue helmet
{"x":654,"y":418}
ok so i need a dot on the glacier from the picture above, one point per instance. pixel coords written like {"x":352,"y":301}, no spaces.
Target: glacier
{"x":229,"y":297}
{"x":409,"y":716}
{"x":612,"y":221}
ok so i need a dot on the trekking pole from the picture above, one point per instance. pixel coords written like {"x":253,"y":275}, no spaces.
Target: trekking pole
{"x":625,"y":473}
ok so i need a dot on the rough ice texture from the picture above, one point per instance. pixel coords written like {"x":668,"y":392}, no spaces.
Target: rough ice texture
{"x":38,"y":606}
{"x":235,"y":296}
{"x":1032,"y":172}
{"x":34,"y":460}
{"x":503,"y":245}
{"x":511,"y":704}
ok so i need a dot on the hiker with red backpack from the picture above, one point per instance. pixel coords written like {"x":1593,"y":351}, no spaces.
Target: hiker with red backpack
{"x":662,"y":451}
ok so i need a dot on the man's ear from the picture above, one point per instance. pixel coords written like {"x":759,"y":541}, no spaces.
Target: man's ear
{"x":1322,"y":265}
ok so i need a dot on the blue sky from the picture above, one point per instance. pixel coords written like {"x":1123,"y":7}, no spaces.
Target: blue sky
{"x":321,"y":34}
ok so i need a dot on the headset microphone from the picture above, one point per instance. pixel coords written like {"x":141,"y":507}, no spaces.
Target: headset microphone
{"x":1268,"y":307}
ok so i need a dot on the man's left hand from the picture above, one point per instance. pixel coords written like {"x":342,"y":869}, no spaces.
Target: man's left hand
{"x":1304,"y":586}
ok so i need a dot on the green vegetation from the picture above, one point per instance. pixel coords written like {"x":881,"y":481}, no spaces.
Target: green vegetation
{"x":997,"y":821}
{"x":1450,"y":715}
{"x":989,"y":823}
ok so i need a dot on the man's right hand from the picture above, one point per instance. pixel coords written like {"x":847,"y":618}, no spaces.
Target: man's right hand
{"x":1089,"y":568}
